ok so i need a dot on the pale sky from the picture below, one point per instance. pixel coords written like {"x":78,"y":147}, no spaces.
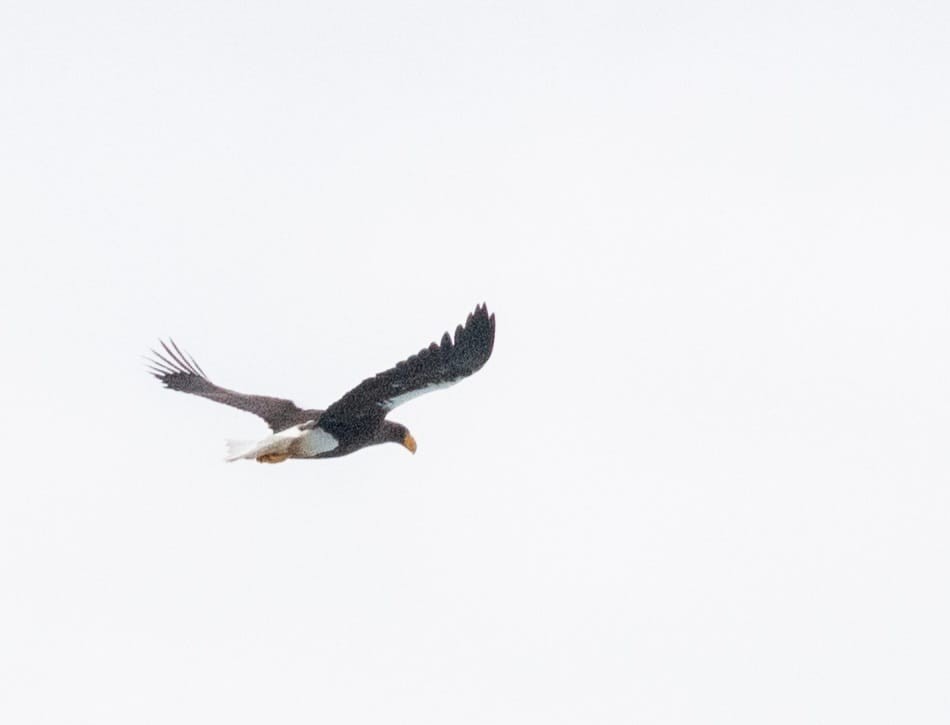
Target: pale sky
{"x":704,"y":477}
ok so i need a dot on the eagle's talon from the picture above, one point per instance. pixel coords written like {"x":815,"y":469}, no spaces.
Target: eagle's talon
{"x":272,"y":457}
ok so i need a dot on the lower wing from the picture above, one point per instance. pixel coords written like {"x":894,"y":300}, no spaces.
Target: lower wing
{"x":179,"y":371}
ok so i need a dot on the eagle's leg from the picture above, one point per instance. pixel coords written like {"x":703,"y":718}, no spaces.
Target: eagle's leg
{"x":272,"y":457}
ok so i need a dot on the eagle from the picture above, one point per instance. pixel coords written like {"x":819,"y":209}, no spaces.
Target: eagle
{"x":356,"y":420}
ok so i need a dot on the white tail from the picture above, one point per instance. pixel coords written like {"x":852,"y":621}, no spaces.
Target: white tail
{"x":240,"y":449}
{"x":279,"y":444}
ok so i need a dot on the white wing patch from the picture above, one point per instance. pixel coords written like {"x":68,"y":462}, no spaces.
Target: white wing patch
{"x":293,"y":442}
{"x":409,"y":395}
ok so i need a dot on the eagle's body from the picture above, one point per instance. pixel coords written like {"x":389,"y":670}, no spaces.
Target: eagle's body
{"x":356,"y":420}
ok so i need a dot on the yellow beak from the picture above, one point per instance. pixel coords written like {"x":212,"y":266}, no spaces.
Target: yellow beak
{"x":410,"y":443}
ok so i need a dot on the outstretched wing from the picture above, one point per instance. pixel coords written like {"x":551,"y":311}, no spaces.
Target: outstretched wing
{"x":179,"y":371}
{"x":437,"y":366}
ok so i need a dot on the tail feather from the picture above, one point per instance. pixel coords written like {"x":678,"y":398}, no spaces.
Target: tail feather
{"x":279,"y":444}
{"x":241,"y":449}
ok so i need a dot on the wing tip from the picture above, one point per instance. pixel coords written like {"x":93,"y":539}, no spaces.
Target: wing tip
{"x":173,"y":361}
{"x":474,"y":341}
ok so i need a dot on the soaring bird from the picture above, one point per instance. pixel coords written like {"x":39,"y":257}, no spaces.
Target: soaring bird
{"x":356,"y":420}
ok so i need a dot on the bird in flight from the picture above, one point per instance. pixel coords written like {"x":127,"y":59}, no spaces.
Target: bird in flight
{"x":356,"y":420}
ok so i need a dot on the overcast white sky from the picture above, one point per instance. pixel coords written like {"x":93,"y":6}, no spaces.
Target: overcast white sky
{"x":704,"y":478}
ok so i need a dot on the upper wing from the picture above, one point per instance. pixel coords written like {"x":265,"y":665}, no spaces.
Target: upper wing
{"x":180,"y":372}
{"x":433,"y":367}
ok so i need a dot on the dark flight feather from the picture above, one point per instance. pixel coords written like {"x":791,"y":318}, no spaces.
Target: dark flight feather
{"x":179,"y":371}
{"x":433,"y":367}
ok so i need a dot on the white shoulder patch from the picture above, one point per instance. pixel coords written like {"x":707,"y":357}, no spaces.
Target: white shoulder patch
{"x":314,"y":442}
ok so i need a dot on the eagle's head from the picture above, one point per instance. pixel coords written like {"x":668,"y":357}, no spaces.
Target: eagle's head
{"x":398,"y":433}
